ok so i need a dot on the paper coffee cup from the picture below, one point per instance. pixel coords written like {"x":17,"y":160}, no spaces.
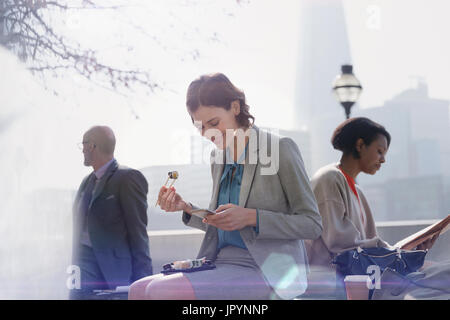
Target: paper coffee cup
{"x":357,"y":287}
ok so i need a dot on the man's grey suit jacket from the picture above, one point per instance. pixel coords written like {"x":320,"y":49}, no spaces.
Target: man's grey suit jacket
{"x":117,"y":225}
{"x":286,"y":207}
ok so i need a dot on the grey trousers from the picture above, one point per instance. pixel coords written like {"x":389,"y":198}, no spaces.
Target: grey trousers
{"x":91,"y":275}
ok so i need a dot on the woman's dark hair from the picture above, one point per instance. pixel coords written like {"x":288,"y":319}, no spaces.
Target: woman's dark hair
{"x":217,"y":90}
{"x":347,"y":133}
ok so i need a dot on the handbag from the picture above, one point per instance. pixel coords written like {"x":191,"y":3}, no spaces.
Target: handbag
{"x":358,"y":261}
{"x":366,"y":261}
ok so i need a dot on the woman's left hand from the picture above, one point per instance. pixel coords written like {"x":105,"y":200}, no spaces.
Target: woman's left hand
{"x":230,"y":217}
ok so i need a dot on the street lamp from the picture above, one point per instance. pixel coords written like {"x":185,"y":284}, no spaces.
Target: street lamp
{"x":347,"y":88}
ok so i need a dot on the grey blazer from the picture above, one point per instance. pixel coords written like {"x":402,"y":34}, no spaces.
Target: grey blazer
{"x":286,"y":207}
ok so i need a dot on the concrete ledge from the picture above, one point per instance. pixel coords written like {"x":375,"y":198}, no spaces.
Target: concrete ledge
{"x":170,"y":245}
{"x":402,"y":223}
{"x":175,"y":232}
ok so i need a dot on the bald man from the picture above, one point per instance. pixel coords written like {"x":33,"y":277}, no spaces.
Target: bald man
{"x":110,"y":242}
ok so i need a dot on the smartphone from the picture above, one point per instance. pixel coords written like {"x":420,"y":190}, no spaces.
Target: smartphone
{"x":202,"y":213}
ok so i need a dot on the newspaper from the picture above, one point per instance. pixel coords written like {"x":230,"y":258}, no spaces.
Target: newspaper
{"x":433,"y":231}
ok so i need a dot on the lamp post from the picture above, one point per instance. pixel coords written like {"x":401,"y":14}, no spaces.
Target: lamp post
{"x":347,"y":88}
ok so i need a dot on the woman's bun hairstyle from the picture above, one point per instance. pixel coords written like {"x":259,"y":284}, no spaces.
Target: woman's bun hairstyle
{"x":348,"y":132}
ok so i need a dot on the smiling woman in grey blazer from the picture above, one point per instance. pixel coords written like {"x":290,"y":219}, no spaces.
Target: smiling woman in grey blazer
{"x":264,"y":203}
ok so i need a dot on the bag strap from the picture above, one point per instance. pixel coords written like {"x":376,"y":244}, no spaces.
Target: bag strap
{"x":398,"y":253}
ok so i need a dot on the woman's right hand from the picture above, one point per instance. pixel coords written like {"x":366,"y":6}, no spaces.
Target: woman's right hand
{"x":170,"y":201}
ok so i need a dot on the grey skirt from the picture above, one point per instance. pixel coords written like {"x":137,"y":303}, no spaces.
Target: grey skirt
{"x":236,"y":277}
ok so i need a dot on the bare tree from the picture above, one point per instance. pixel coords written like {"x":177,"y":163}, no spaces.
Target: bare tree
{"x":26,"y":29}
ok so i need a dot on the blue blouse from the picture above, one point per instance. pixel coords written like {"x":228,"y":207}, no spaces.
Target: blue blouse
{"x":229,"y":191}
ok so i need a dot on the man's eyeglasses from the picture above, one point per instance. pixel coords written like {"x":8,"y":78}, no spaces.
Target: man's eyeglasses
{"x":81,"y":144}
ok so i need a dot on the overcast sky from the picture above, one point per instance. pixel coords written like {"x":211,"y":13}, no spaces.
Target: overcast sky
{"x":255,"y":44}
